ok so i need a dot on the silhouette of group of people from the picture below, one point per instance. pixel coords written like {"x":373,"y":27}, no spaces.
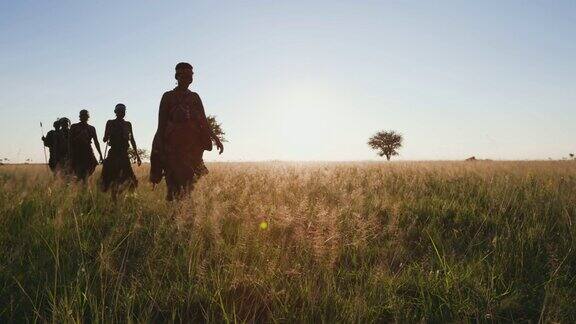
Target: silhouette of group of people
{"x":182,"y":136}
{"x":57,"y":141}
{"x":71,"y":151}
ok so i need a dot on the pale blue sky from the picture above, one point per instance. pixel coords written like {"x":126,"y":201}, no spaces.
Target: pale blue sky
{"x":302,"y":80}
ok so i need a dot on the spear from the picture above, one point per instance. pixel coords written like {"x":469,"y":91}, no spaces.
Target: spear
{"x":43,"y":146}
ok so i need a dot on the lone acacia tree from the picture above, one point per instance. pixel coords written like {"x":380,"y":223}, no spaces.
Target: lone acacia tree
{"x":387,"y":142}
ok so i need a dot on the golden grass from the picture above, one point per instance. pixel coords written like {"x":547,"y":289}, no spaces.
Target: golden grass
{"x":432,"y":241}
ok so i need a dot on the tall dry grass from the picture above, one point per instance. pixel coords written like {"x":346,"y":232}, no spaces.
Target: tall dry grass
{"x":349,"y":242}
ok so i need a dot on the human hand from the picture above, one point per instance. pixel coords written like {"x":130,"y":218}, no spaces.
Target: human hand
{"x":219,"y":146}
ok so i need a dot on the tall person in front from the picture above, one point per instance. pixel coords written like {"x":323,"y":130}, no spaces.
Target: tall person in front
{"x":182,"y":136}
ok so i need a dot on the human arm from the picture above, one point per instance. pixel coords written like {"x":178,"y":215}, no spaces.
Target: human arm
{"x":133,"y":142}
{"x":213,"y":136}
{"x":95,"y":139}
{"x":156,"y":156}
{"x":106,"y":132}
{"x":48,"y":139}
{"x":158,"y":143}
{"x":219,"y":144}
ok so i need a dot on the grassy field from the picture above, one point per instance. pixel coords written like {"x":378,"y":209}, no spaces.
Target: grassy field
{"x":348,"y":242}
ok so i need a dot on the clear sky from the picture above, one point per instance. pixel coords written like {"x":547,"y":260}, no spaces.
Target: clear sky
{"x":301,"y":80}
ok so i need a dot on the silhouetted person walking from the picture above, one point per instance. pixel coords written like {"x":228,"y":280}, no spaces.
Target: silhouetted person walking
{"x":82,"y":160}
{"x":117,"y":172}
{"x":57,"y":142}
{"x":182,"y":136}
{"x":62,"y":145}
{"x":50,"y":141}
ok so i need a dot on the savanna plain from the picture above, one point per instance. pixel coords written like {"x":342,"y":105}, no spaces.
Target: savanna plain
{"x":295,"y":242}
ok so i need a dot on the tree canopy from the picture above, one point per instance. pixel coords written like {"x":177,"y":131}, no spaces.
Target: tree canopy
{"x":386,"y":142}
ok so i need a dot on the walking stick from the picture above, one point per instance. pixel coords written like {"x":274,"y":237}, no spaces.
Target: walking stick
{"x":43,"y":146}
